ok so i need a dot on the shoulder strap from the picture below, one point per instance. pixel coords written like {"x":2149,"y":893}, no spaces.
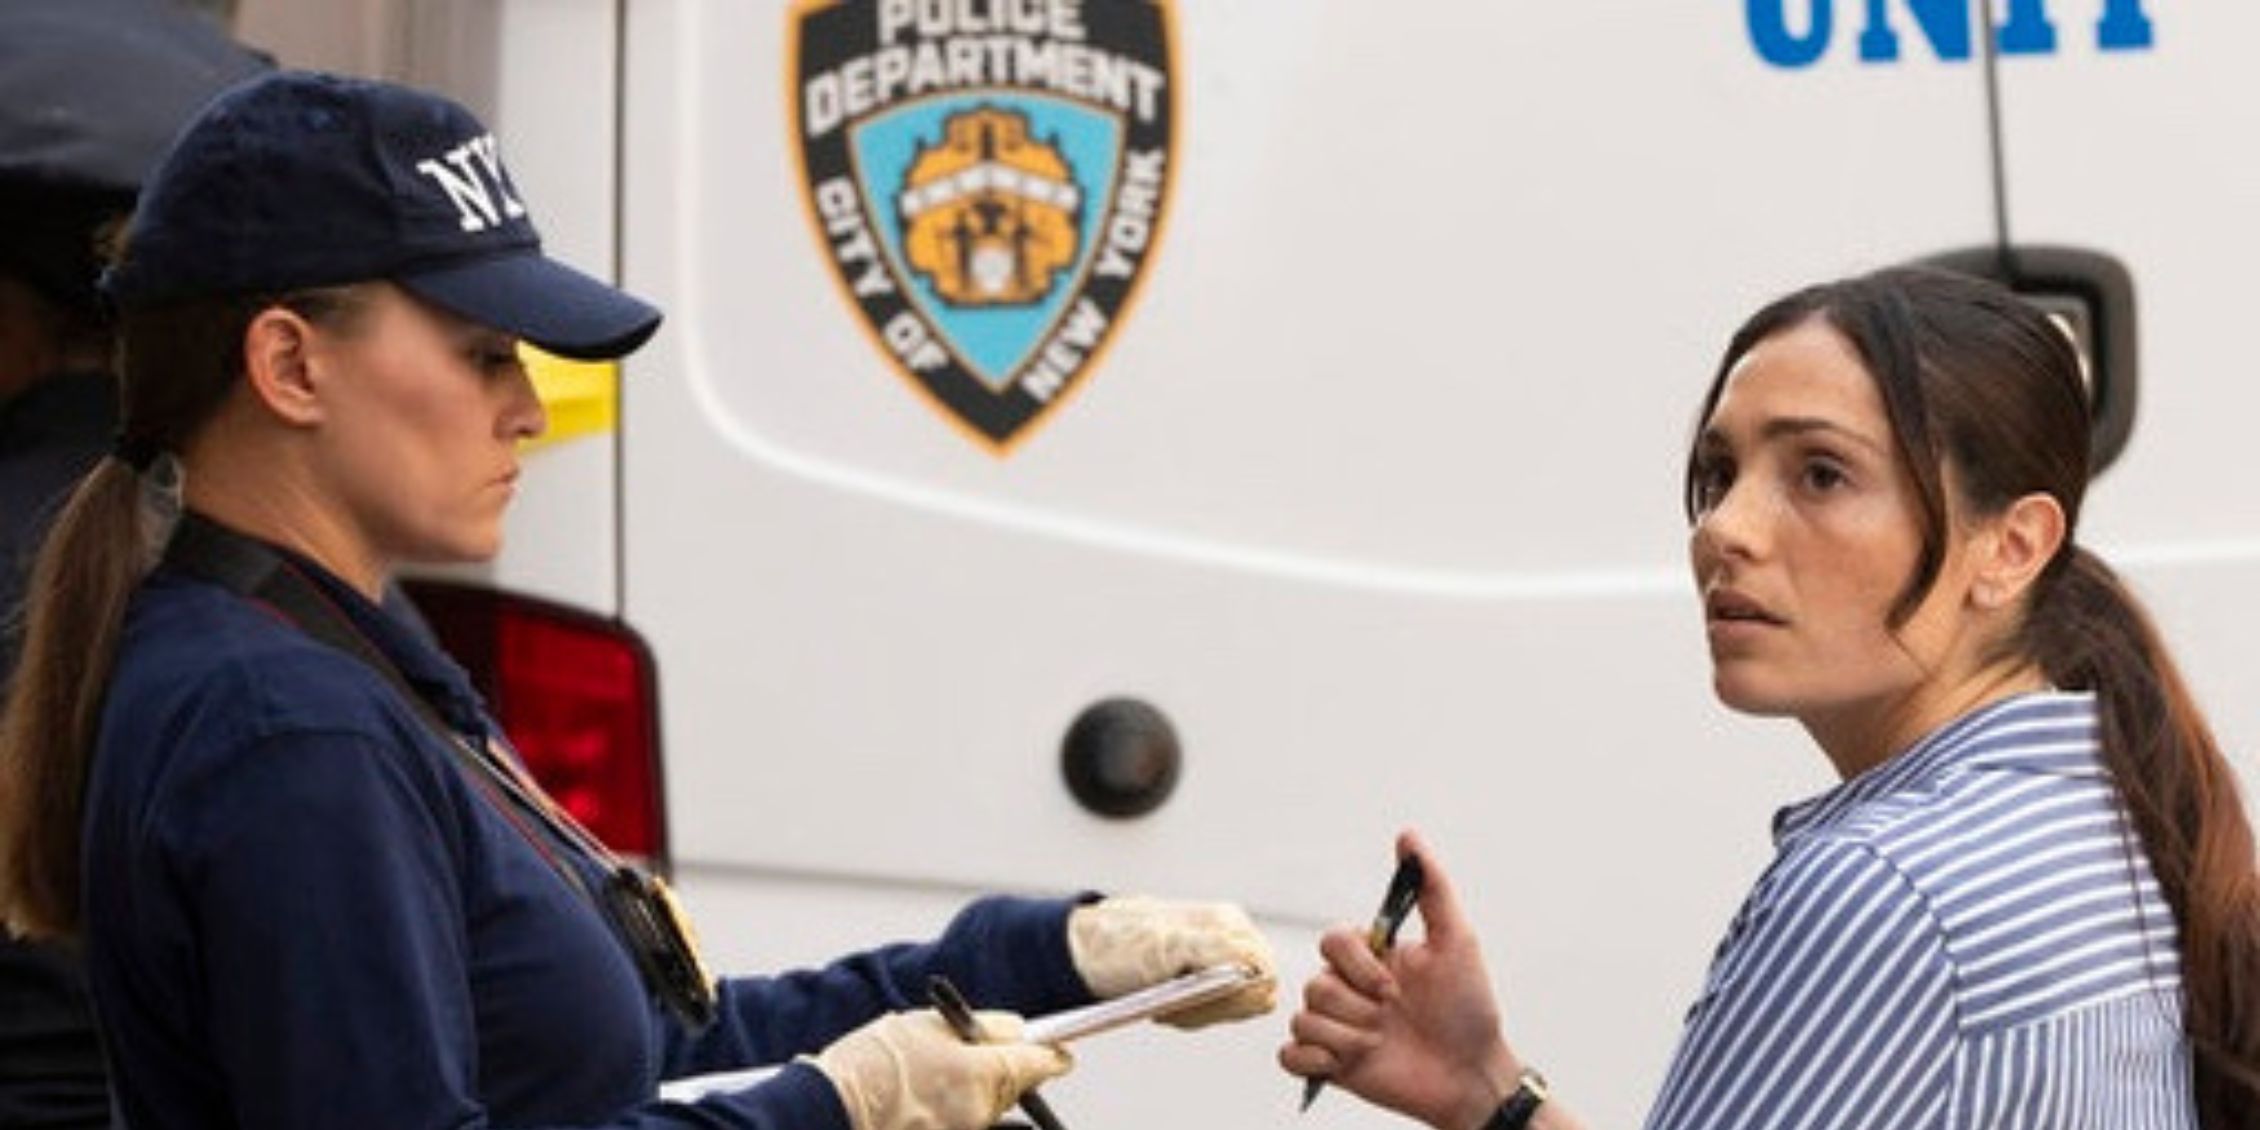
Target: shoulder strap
{"x":254,"y":571}
{"x":636,"y":906}
{"x":249,"y":569}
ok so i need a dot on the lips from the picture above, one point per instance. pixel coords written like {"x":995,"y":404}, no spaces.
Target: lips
{"x":1731,"y":606}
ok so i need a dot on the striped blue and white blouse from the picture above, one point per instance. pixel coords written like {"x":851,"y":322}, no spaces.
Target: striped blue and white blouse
{"x":1968,"y":935}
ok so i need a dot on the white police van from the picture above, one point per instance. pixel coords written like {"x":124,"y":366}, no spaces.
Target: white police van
{"x":1308,"y":377}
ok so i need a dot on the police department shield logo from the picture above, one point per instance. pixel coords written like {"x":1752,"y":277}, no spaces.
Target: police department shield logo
{"x":987,"y":178}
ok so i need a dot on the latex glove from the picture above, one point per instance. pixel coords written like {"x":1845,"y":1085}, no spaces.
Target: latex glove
{"x":908,"y":1071}
{"x":1124,"y":944}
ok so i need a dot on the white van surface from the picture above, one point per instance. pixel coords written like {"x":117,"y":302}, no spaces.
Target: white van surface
{"x":1372,"y":486}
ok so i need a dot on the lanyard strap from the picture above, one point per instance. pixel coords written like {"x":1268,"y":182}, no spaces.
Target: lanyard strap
{"x":636,"y":906}
{"x":251,"y":570}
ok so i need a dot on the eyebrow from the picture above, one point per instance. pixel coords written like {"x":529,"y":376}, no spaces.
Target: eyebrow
{"x":1789,"y":426}
{"x":471,"y":333}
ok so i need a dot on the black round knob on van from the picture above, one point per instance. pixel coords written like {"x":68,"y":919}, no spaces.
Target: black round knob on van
{"x":1120,"y":757}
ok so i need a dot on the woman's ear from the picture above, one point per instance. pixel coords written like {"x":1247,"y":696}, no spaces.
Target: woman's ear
{"x":2020,"y":542}
{"x":279,"y":356}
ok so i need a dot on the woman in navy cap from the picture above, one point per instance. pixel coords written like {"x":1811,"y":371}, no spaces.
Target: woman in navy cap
{"x":314,"y":886}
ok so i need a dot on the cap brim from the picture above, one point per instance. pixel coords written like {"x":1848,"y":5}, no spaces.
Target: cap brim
{"x":542,"y":301}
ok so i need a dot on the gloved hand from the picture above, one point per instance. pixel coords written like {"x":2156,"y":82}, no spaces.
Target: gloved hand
{"x":908,"y":1071}
{"x":1124,"y":944}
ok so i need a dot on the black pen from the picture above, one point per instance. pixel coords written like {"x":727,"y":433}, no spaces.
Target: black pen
{"x":951,"y":1004}
{"x":1396,"y":906}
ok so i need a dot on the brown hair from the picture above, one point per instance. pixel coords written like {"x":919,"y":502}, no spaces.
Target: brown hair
{"x":177,"y":365}
{"x":1973,"y":377}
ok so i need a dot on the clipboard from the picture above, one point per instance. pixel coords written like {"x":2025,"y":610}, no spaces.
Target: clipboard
{"x":1195,"y":988}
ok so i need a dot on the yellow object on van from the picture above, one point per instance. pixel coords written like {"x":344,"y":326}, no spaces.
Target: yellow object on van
{"x":581,"y":397}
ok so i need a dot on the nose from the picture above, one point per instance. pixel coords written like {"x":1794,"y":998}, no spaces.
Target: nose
{"x":1733,"y":526}
{"x":524,"y":416}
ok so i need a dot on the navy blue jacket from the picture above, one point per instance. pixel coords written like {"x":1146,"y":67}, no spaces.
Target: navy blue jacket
{"x":301,"y":912}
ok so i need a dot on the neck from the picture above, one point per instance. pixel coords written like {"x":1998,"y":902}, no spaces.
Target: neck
{"x":257,"y":484}
{"x":1860,"y":737}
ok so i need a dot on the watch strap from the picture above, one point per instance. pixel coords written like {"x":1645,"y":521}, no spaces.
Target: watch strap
{"x":1520,"y":1107}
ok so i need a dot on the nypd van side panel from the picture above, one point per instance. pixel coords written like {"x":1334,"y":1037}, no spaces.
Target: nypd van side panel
{"x":1374,"y":493}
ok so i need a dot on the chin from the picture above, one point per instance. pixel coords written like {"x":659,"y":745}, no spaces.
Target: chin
{"x":482,"y":550}
{"x":473,"y":549}
{"x":1743,"y":694}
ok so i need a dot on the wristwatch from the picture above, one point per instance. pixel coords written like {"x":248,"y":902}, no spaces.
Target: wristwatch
{"x":1518,"y":1109}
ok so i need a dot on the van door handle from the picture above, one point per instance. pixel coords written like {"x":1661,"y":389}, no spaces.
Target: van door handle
{"x":1121,"y":758}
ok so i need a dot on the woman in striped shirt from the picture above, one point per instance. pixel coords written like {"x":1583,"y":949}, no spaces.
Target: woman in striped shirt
{"x":2033,"y":900}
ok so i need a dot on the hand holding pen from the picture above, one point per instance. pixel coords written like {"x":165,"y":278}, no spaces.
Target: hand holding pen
{"x":1415,"y":1029}
{"x":1396,"y":903}
{"x":955,"y":1009}
{"x":917,"y":1070}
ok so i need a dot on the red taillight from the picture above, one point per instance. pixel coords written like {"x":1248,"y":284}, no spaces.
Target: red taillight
{"x":576,"y":694}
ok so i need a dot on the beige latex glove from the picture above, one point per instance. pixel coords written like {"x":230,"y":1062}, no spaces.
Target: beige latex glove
{"x":1121,"y":945}
{"x":908,"y":1071}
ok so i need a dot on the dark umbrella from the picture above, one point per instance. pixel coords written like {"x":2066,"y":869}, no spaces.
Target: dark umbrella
{"x":92,"y":91}
{"x":91,"y":94}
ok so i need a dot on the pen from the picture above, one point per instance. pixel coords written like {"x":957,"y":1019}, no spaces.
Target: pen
{"x":1396,"y":906}
{"x":954,"y":1009}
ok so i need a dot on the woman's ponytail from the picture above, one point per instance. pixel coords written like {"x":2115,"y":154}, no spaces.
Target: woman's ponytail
{"x":95,"y":556}
{"x":2089,"y":633}
{"x":177,"y":364}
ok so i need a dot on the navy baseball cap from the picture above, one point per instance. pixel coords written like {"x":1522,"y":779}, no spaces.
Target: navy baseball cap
{"x":297,"y":179}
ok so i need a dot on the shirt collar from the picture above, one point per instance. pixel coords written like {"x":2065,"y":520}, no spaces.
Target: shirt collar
{"x":400,"y":634}
{"x":2027,"y":730}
